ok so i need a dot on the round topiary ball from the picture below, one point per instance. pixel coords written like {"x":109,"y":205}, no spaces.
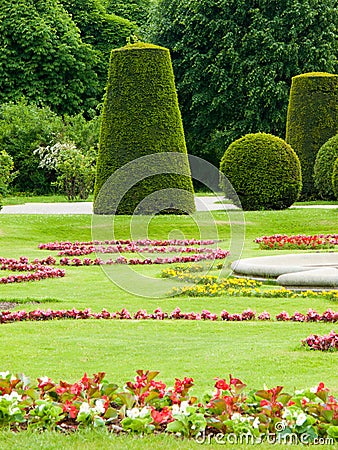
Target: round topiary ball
{"x":264,"y":171}
{"x":335,"y":178}
{"x":323,"y":168}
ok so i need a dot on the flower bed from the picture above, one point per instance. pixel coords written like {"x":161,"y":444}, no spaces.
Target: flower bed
{"x":37,"y":270}
{"x":297,"y":242}
{"x":328,"y":316}
{"x":213,"y":286}
{"x":196,"y":251}
{"x":146,"y":405}
{"x":327,"y":342}
{"x":188,"y":251}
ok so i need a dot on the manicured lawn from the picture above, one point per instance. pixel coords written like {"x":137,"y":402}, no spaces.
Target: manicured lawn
{"x":259,"y":352}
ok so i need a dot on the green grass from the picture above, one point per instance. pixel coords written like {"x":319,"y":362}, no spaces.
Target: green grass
{"x":259,"y":353}
{"x":93,"y":440}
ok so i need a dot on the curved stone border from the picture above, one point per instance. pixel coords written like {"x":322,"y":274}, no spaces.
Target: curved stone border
{"x":302,"y":270}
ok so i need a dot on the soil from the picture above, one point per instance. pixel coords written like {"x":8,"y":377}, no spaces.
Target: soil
{"x":5,"y":306}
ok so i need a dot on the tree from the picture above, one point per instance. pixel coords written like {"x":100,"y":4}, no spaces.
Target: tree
{"x":43,"y":57}
{"x":134,"y":10}
{"x":234,"y":60}
{"x":23,"y":128}
{"x":102,"y":30}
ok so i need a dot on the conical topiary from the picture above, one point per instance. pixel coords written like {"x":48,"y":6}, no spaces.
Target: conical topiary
{"x":141,"y":117}
{"x":312,"y":119}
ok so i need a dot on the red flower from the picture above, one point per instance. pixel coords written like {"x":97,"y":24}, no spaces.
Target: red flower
{"x":221,"y":384}
{"x":70,"y":408}
{"x":264,"y":403}
{"x":163,"y":416}
{"x":321,"y":387}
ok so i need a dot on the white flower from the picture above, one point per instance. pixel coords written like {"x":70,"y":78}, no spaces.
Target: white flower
{"x":298,"y":392}
{"x":99,"y":406}
{"x":13,"y":396}
{"x":4,"y":374}
{"x":14,"y":410}
{"x":144,"y":411}
{"x":85,"y":408}
{"x":314,"y":389}
{"x":305,"y":399}
{"x":175,"y":409}
{"x":236,"y":416}
{"x":301,"y":418}
{"x":183,"y":408}
{"x":25,"y":380}
{"x":255,"y":423}
{"x":133,"y":413}
{"x":44,"y":379}
{"x":286,"y":413}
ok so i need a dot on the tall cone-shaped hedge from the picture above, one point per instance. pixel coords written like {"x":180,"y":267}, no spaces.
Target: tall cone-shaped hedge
{"x":141,"y":117}
{"x":312,"y":119}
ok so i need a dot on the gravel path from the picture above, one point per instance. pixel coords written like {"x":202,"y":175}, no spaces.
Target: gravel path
{"x":202,"y":204}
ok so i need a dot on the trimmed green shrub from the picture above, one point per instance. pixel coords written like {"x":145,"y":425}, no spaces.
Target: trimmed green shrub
{"x":335,"y":178}
{"x":141,"y":117}
{"x":263,"y":170}
{"x":323,"y":168}
{"x":311,"y":120}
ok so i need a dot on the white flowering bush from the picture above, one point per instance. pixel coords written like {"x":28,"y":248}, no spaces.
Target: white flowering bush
{"x":75,"y":171}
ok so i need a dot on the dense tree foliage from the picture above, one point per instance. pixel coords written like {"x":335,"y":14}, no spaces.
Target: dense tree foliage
{"x":134,"y":10}
{"x":25,"y":127}
{"x":103,"y":31}
{"x":43,"y":58}
{"x":234,"y":60}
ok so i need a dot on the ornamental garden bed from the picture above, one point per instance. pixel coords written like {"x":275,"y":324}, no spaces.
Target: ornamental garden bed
{"x":192,"y":347}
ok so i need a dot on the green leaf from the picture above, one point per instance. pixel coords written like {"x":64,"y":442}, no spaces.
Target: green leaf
{"x":127,"y":399}
{"x":332,"y":431}
{"x":175,"y":427}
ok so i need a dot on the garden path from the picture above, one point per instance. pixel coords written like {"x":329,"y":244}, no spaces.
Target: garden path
{"x":205,"y":203}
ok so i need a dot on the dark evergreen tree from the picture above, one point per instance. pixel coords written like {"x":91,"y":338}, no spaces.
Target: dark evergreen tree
{"x":234,"y":59}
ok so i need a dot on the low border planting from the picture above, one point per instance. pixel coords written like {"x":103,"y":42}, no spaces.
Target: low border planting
{"x":39,"y":269}
{"x":297,"y":242}
{"x":327,"y":342}
{"x":328,"y":316}
{"x":146,"y":405}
